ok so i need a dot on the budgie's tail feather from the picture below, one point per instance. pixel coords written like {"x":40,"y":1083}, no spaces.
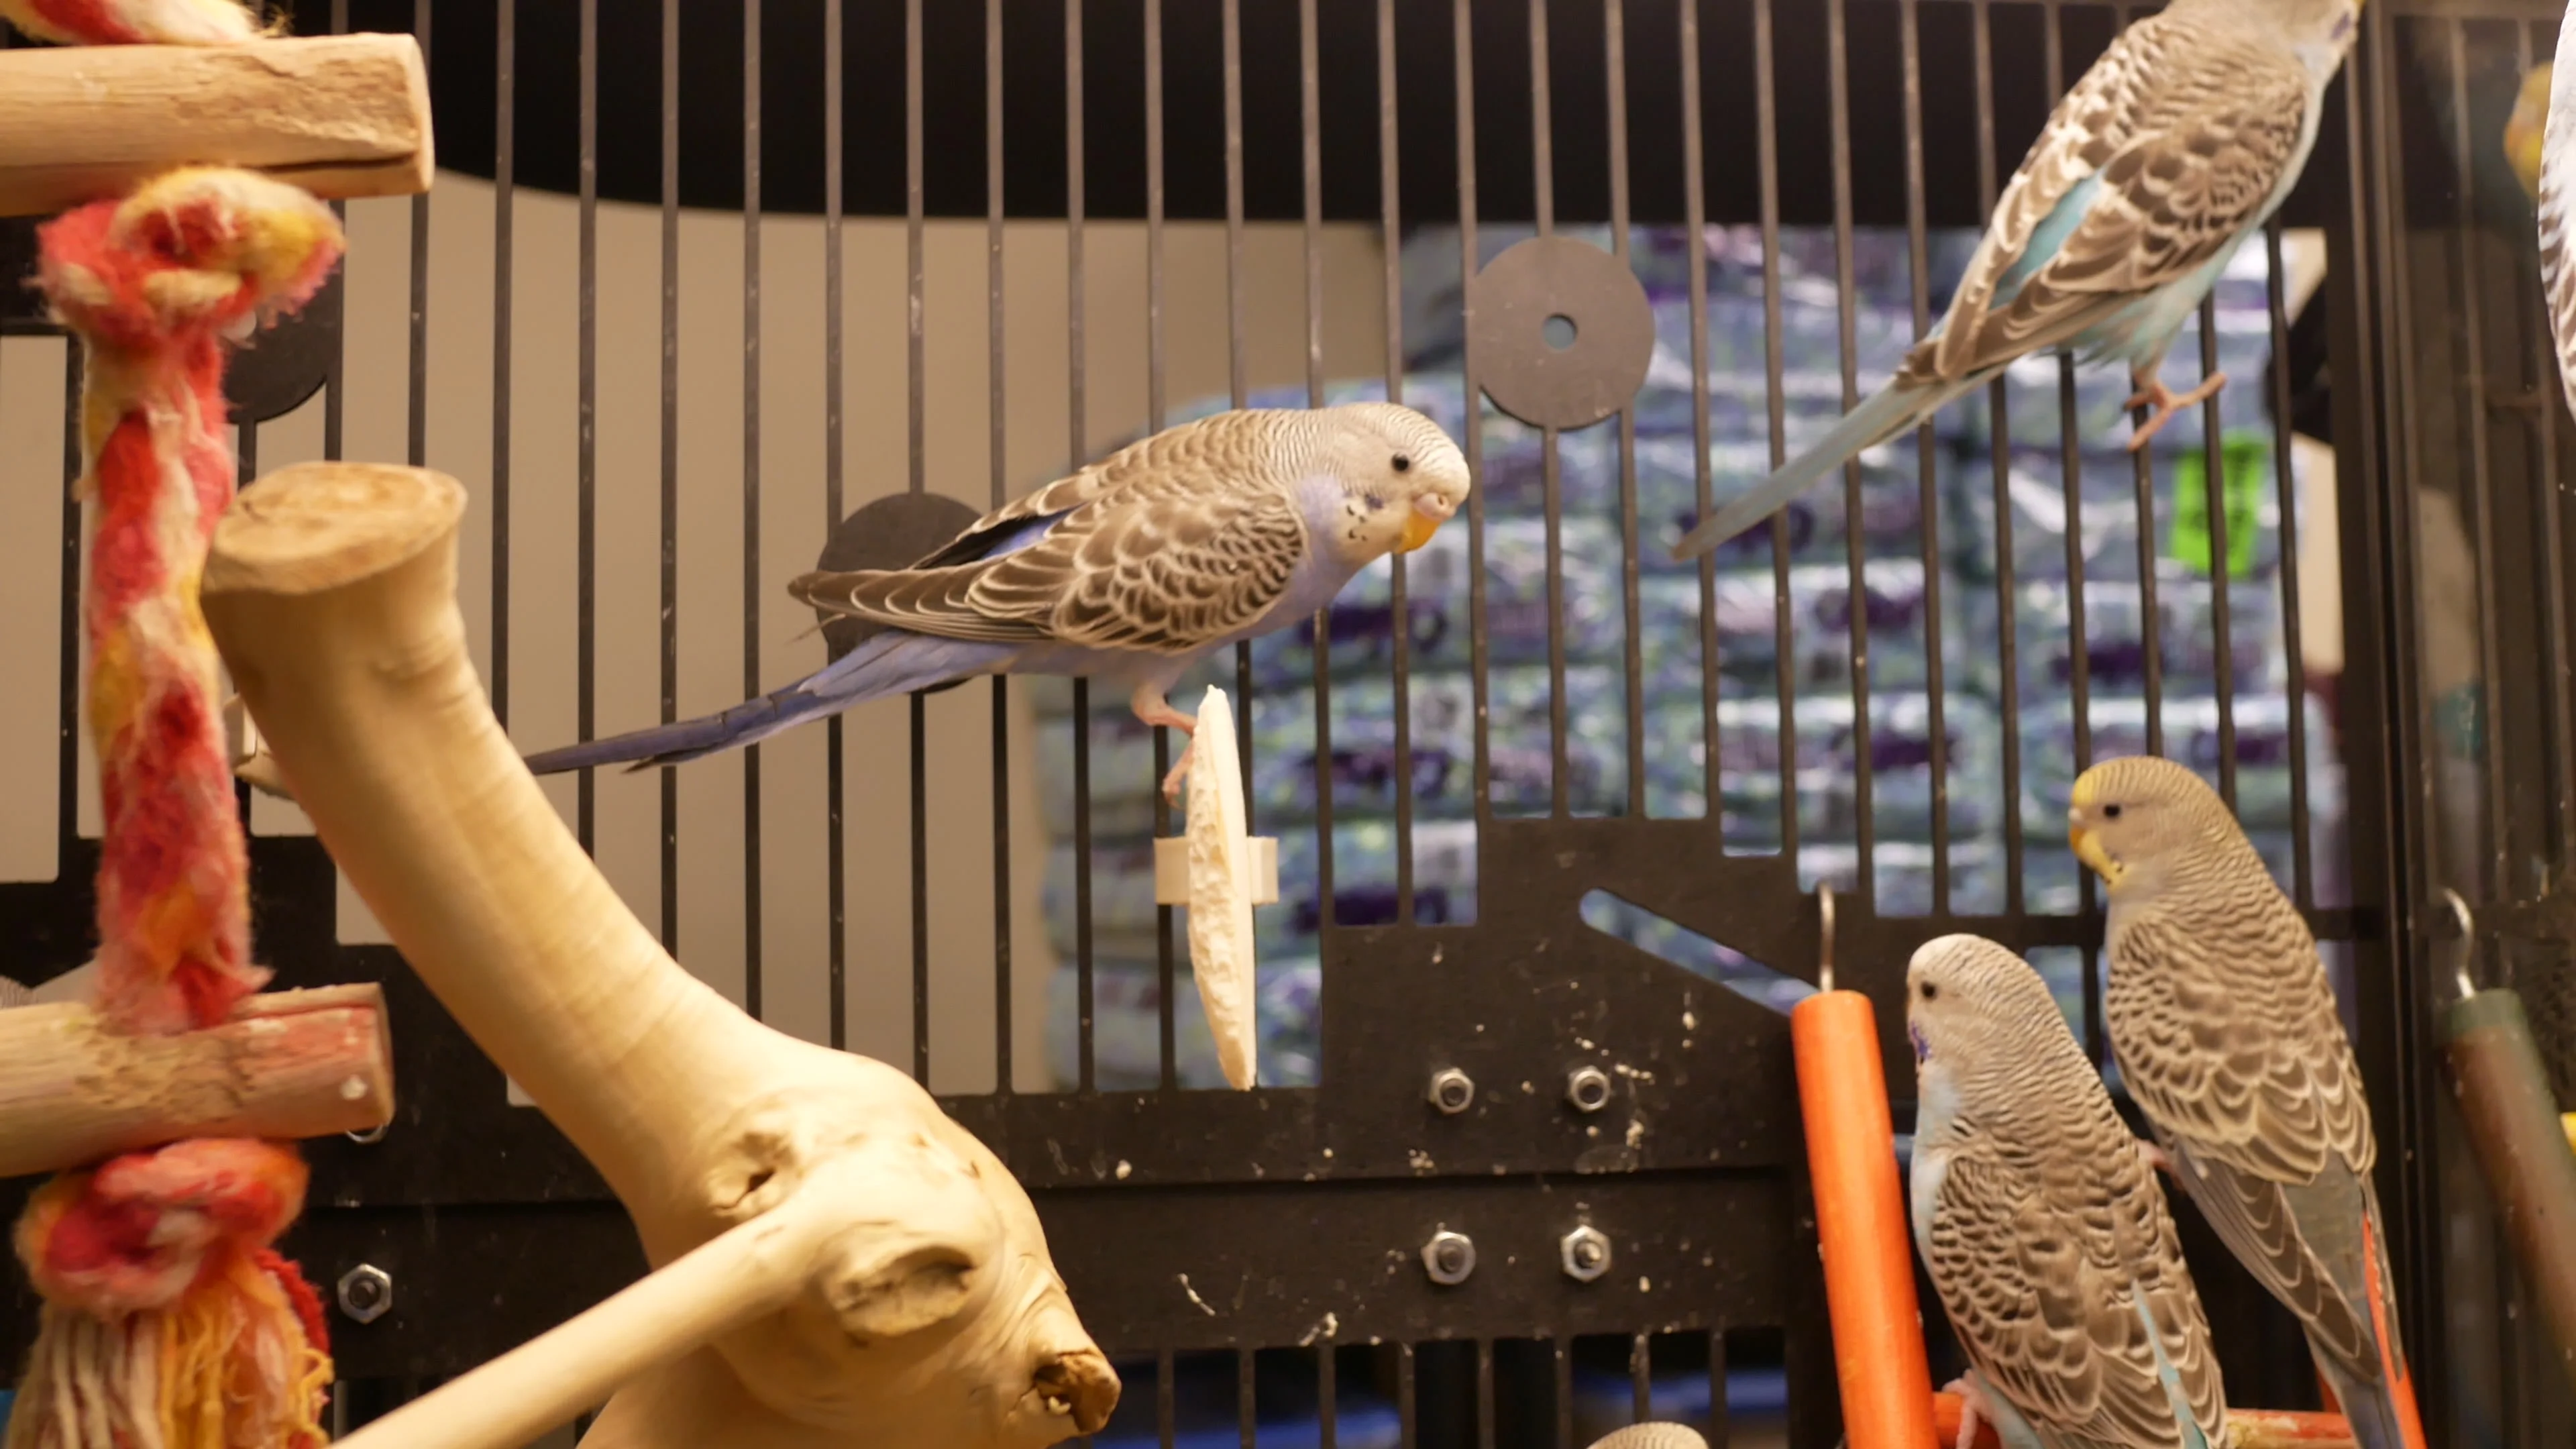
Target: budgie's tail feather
{"x":890,"y":663}
{"x":1885,"y":413}
{"x":2382,"y":1414}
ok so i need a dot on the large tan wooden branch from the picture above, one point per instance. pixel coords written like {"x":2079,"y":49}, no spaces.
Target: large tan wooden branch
{"x":340,"y":116}
{"x":900,"y":1295}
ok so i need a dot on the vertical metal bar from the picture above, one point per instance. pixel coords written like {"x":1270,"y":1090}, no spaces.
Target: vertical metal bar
{"x":1311,"y":160}
{"x":670,"y":460}
{"x":1926,"y":459}
{"x":586,"y":461}
{"x":1076,"y":405}
{"x":1391,"y":248}
{"x":505,"y":82}
{"x":994,"y":363}
{"x":2472,"y":390}
{"x":416,"y":398}
{"x":1717,"y":1388}
{"x":2079,"y":648}
{"x":2286,"y":485}
{"x":2559,"y":711}
{"x":1245,"y":1400}
{"x":1614,"y":58}
{"x":836,"y":849}
{"x":916,"y":435}
{"x":1551,"y":480}
{"x":1237,"y":379}
{"x":1484,"y":1394}
{"x":1166,"y":950}
{"x":1703,"y":484}
{"x":1326,"y":1393}
{"x":1407,"y":1422}
{"x":2222,"y":573}
{"x":1775,"y":401}
{"x":1999,"y":402}
{"x":752,"y":972}
{"x":1561,"y":1355}
{"x":2150,"y":617}
{"x":1165,"y":1407}
{"x":1845,"y":288}
{"x":1479,"y":647}
{"x":334,"y":398}
{"x":1641,"y":1376}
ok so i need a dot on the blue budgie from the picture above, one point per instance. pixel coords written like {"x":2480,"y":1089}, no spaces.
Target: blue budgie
{"x":2224,"y":1025}
{"x":2178,"y":144}
{"x":2042,"y":1226}
{"x":1131,"y":570}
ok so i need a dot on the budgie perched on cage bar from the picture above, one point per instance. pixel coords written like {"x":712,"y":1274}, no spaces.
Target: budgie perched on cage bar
{"x":1130,"y":570}
{"x":2226,"y":1033}
{"x":2178,"y":144}
{"x":2042,"y":1227}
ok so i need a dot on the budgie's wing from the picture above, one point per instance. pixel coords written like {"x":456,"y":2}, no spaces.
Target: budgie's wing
{"x":2557,"y":197}
{"x":2280,"y":1164}
{"x":1164,"y":564}
{"x":2169,"y":148}
{"x":2033,"y":1282}
{"x":1205,"y":447}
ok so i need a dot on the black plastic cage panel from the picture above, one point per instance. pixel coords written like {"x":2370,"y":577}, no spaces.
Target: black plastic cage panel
{"x":705,"y":282}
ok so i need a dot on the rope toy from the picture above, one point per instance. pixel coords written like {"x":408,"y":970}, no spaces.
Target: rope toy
{"x":168,"y":1322}
{"x":135,"y":22}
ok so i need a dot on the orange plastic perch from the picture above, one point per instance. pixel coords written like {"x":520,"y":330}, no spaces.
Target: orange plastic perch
{"x":2246,"y":1428}
{"x":1860,"y":1216}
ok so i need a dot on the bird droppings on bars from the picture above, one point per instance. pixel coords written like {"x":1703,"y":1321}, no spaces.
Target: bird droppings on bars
{"x":1645,"y":1284}
{"x":1124,"y":1168}
{"x":1194,"y":1296}
{"x":1690,"y":1019}
{"x":1325,"y":1327}
{"x":1328,"y":1154}
{"x":1420,"y":1159}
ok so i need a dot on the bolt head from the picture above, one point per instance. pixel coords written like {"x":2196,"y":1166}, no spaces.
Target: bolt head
{"x":1452,"y":1091}
{"x":1585,"y":1254}
{"x":1449,"y":1257}
{"x":1587,"y":1089}
{"x":366,"y":1293}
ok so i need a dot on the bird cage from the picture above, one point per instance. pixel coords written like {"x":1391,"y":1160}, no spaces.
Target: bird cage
{"x":708,"y":295}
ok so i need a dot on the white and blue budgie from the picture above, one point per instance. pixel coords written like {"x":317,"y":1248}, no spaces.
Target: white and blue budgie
{"x":2043,"y":1229}
{"x":1131,"y":570}
{"x":2175,"y":147}
{"x":2224,"y":1025}
{"x":2555,"y":177}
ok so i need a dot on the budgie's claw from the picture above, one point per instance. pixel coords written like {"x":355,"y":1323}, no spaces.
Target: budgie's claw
{"x":1179,"y":772}
{"x":1972,"y":1408}
{"x":2154,"y":1157}
{"x":2155,"y":395}
{"x":1156,"y":711}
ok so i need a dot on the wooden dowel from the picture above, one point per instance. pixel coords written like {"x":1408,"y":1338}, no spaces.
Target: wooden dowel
{"x":288,"y":1064}
{"x":2246,"y":1428}
{"x":2512,"y":1117}
{"x":340,"y":116}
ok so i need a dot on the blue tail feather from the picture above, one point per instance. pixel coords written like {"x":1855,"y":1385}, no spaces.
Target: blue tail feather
{"x":1883,"y":414}
{"x":2368,"y":1407}
{"x":890,"y":663}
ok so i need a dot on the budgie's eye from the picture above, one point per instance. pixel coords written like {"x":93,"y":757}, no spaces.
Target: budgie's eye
{"x":1403,"y":464}
{"x":2110,"y":812}
{"x":1930,"y":991}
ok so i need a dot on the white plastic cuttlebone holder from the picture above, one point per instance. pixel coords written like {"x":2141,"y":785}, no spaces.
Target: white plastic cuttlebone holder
{"x":1220,"y":871}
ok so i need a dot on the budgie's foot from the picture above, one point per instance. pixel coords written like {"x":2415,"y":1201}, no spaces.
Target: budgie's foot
{"x":1973,"y":1412}
{"x":2154,"y":1157}
{"x":2154,"y":394}
{"x":1156,"y":711}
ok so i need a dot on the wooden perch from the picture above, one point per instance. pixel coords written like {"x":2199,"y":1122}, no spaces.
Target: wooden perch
{"x":340,"y":116}
{"x":929,"y":1314}
{"x":288,"y":1064}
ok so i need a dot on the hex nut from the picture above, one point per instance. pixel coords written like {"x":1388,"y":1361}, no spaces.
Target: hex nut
{"x":1449,"y":1257}
{"x":1452,"y":1091}
{"x":1587,"y":1089}
{"x":1585,"y":1253}
{"x":366,"y":1293}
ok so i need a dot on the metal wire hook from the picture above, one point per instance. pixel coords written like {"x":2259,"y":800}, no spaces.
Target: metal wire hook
{"x":1824,"y":936}
{"x":2464,"y":925}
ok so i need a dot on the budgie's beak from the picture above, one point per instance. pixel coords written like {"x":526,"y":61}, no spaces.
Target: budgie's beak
{"x":2088,"y":848}
{"x":2525,"y":129}
{"x":1428,"y":514}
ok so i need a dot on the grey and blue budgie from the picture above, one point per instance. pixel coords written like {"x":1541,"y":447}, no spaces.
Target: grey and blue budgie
{"x":1131,"y":570}
{"x":2041,"y":1225}
{"x":2557,"y":194}
{"x":2225,"y":1029}
{"x":2175,"y":147}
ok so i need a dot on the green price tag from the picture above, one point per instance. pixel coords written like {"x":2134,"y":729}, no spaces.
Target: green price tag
{"x":2246,"y":462}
